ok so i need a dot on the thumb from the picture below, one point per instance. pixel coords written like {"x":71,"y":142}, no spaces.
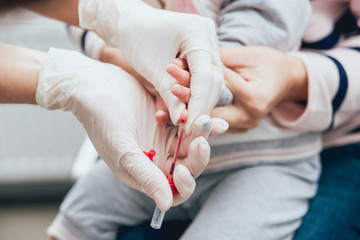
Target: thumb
{"x":236,"y":83}
{"x":234,"y":56}
{"x":206,"y":86}
{"x":143,"y":175}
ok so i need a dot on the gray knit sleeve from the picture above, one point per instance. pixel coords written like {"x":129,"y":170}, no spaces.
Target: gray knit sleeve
{"x":275,"y":23}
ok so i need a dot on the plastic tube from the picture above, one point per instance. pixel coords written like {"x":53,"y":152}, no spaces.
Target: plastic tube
{"x":158,"y":215}
{"x":157,"y":218}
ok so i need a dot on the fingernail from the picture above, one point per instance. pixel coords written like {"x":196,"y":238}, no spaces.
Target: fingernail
{"x":162,"y":199}
{"x":177,"y":89}
{"x":171,"y":68}
{"x":177,"y":62}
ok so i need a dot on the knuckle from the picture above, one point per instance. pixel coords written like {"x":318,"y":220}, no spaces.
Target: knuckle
{"x":258,"y":108}
{"x":254,"y":123}
{"x":250,"y":122}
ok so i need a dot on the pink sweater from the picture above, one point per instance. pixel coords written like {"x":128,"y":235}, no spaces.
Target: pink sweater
{"x":331,"y":53}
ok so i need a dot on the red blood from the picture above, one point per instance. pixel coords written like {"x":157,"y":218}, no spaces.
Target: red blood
{"x":172,"y":185}
{"x":150,"y":155}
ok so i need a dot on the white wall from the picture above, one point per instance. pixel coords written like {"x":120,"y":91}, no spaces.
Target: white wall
{"x":29,"y":132}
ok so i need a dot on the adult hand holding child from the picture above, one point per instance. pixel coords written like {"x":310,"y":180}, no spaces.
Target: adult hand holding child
{"x":259,"y":77}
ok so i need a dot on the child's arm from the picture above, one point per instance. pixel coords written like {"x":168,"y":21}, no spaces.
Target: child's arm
{"x":334,"y":88}
{"x":274,"y":23}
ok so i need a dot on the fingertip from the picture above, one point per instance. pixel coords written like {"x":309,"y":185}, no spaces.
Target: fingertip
{"x":219,"y":126}
{"x":184,"y":181}
{"x":202,"y":126}
{"x":203,"y":147}
{"x":181,"y":63}
{"x":163,"y":198}
{"x":182,"y":173}
{"x":171,"y":68}
{"x":177,"y":61}
{"x":162,"y":117}
{"x":198,"y":157}
{"x":184,"y":116}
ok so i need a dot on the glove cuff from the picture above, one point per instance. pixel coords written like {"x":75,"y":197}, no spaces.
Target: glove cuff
{"x":42,"y":97}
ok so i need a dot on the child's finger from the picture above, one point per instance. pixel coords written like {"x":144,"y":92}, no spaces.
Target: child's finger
{"x":181,"y":63}
{"x":181,"y":75}
{"x":184,"y":116}
{"x":162,"y":117}
{"x":181,"y":92}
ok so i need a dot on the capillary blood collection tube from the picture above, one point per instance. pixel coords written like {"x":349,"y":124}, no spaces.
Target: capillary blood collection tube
{"x":158,"y":215}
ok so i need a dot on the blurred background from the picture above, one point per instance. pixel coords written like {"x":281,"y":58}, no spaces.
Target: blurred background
{"x":38,"y":148}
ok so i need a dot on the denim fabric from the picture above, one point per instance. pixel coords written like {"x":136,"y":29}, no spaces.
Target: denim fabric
{"x":334,"y":213}
{"x":170,"y":230}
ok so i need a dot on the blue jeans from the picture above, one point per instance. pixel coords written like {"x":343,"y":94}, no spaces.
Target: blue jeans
{"x":335,"y":211}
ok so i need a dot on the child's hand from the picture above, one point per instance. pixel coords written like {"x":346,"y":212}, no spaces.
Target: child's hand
{"x":179,"y":70}
{"x":260,"y":78}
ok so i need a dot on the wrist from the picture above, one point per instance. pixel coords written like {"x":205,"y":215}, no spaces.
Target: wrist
{"x":298,"y":78}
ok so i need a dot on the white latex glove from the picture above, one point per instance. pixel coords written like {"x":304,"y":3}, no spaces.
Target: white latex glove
{"x":150,"y":39}
{"x":118,"y":115}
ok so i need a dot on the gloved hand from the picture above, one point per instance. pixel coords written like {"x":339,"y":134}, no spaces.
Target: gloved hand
{"x":118,"y":115}
{"x":150,"y":39}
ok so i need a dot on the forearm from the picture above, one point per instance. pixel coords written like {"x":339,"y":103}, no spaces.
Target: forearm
{"x":333,"y":92}
{"x":19,"y":74}
{"x":62,"y":10}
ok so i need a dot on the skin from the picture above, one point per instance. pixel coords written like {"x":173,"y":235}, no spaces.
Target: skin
{"x":20,"y":67}
{"x":250,"y":73}
{"x":19,"y":74}
{"x":62,"y":10}
{"x":259,"y":78}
